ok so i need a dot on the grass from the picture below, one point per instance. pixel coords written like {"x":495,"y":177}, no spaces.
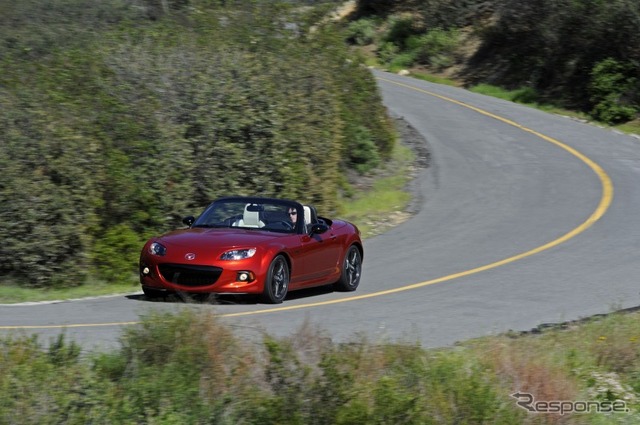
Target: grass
{"x":380,"y":205}
{"x":10,"y":294}
{"x":596,"y":359}
{"x":632,"y":127}
{"x":435,"y":79}
{"x":527,"y":96}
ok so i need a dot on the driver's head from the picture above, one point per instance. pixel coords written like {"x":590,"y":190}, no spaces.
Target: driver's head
{"x":293,"y":214}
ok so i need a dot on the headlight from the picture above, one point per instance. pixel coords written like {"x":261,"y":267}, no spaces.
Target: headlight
{"x":157,"y":249}
{"x":238,"y":254}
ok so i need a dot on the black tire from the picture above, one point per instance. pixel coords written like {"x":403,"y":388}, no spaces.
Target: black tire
{"x":277,"y":284}
{"x":351,"y":270}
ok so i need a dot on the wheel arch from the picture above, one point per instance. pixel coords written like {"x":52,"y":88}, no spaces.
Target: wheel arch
{"x":273,"y":252}
{"x":360,"y":247}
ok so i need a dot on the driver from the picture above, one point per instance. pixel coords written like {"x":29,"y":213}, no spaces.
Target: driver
{"x":293,"y":216}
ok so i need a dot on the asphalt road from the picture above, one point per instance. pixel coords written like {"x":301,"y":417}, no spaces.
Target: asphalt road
{"x":525,"y":218}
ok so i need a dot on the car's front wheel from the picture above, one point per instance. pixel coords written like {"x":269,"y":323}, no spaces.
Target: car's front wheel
{"x":277,"y":283}
{"x":351,"y":270}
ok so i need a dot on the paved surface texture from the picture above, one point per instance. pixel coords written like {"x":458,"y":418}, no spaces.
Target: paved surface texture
{"x":525,"y":218}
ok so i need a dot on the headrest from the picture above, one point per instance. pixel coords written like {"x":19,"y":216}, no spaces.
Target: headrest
{"x":307,"y":215}
{"x":250,"y":218}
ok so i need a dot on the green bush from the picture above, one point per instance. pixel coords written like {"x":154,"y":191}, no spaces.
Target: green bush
{"x":525,"y":95}
{"x":400,"y":28}
{"x":412,"y":386}
{"x":387,"y":51}
{"x":613,"y":88}
{"x":363,"y":152}
{"x":403,"y":60}
{"x":405,"y":46}
{"x":559,"y":48}
{"x":362,"y":32}
{"x":609,"y":110}
{"x":44,"y":386}
{"x":116,"y":253}
{"x":188,"y":368}
{"x":433,"y":47}
{"x":175,"y":368}
{"x":46,"y":193}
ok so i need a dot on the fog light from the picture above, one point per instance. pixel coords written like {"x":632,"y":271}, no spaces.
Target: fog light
{"x":245,"y":276}
{"x":146,"y":271}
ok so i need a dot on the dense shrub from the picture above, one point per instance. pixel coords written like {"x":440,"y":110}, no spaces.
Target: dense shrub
{"x":387,"y":52}
{"x":403,"y":60}
{"x":434,"y":48}
{"x":46,"y":193}
{"x":559,"y":50}
{"x":614,"y":91}
{"x":364,"y":153}
{"x":555,"y":47}
{"x":188,"y":368}
{"x":362,"y":32}
{"x":116,"y":253}
{"x":401,"y":27}
{"x":150,"y":110}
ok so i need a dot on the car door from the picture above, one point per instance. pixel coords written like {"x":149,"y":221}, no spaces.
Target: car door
{"x":318,"y":255}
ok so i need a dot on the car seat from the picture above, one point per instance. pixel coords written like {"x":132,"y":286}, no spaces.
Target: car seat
{"x":250,"y":219}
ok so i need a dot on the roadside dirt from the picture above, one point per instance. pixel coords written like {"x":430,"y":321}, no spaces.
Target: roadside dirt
{"x":410,"y":138}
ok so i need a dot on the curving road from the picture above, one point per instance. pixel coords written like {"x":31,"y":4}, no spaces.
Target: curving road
{"x":525,"y":218}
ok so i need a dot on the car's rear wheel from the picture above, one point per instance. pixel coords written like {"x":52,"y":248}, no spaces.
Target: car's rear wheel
{"x":351,"y":270}
{"x":277,"y":283}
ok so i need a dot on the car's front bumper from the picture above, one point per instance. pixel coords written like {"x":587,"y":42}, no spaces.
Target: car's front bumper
{"x":235,"y":278}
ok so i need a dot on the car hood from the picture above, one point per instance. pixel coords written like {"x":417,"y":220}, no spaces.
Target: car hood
{"x":216,"y":237}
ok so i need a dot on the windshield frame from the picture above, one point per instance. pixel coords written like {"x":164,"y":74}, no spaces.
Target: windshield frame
{"x":272,"y":212}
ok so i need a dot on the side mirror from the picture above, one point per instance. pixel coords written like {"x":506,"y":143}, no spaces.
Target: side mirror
{"x":319,"y":228}
{"x":189,"y":220}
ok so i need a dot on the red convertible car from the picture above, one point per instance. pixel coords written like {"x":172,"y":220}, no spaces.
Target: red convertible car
{"x":252,"y":245}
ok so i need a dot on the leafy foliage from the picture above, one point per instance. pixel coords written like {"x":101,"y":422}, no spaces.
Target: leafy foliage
{"x":119,"y":117}
{"x":188,"y":368}
{"x":575,"y":54}
{"x":361,"y":32}
{"x":614,"y":91}
{"x":556,"y":46}
{"x":435,"y":48}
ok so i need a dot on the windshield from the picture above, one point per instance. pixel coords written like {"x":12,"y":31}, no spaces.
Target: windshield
{"x":271,"y":215}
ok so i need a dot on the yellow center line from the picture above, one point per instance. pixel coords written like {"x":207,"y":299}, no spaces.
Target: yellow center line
{"x":605,"y":201}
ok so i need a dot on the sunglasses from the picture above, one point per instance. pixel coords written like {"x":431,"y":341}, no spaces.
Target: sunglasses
{"x":293,"y":212}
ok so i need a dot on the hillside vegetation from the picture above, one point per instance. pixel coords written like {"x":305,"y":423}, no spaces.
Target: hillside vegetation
{"x":577,"y":54}
{"x":188,"y":368}
{"x":118,"y":117}
{"x":115,"y":116}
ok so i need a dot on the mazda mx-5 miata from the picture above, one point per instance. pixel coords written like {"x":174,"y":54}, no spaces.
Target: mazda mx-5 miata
{"x":252,"y":245}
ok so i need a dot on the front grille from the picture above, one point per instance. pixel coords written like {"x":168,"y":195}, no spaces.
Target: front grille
{"x":190,"y":275}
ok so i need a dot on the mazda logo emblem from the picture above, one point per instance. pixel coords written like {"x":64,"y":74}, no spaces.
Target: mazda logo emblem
{"x":190,"y":256}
